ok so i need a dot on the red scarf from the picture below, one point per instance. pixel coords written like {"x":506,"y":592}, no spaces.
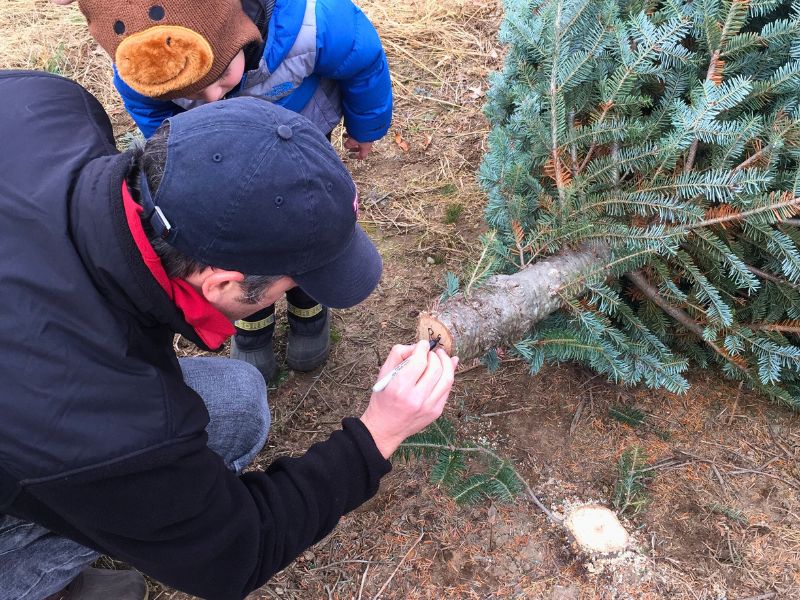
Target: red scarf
{"x":210,"y":324}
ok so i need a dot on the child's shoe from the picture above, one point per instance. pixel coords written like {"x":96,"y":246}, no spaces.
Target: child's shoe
{"x":253,"y":342}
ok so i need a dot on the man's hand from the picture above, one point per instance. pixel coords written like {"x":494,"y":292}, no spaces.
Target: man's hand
{"x":414,"y":398}
{"x":357,"y":149}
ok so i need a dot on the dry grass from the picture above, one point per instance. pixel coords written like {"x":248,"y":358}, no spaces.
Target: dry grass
{"x":440,"y":54}
{"x":438,"y":50}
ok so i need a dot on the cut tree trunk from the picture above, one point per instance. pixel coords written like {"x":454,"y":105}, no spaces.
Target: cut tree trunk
{"x":506,"y":307}
{"x":596,"y":531}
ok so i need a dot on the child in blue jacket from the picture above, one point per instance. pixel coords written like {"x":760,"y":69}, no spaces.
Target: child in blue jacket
{"x":320,"y":58}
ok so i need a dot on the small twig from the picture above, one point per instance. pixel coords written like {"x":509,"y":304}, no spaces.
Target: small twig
{"x":342,"y":366}
{"x":363,"y":581}
{"x":732,"y":416}
{"x":400,"y":564}
{"x":791,"y":484}
{"x":777,"y":442}
{"x":773,"y":327}
{"x":722,"y":483}
{"x":578,"y":413}
{"x":271,"y":592}
{"x":753,"y":158}
{"x":766,"y":596}
{"x":340,"y":562}
{"x":771,"y":277}
{"x":285,"y":420}
{"x":505,"y":412}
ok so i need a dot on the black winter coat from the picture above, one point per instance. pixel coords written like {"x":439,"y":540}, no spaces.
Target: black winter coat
{"x":100,"y":438}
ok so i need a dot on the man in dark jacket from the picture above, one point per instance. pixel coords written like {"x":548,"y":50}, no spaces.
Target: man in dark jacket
{"x":108,"y":442}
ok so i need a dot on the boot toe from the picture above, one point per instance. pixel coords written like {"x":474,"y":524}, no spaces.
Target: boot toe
{"x":102,"y":584}
{"x":262,"y":359}
{"x":306,"y":352}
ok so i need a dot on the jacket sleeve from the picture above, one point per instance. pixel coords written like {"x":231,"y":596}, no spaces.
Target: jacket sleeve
{"x":147,"y":113}
{"x":178,"y":515}
{"x":350,"y":51}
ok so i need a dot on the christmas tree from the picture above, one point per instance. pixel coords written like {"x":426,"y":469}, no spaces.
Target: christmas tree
{"x":643,"y":177}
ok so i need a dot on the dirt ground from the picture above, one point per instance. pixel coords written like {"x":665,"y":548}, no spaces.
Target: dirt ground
{"x":722,"y":520}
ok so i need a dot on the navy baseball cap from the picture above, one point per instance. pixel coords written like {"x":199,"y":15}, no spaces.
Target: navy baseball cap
{"x":252,"y":187}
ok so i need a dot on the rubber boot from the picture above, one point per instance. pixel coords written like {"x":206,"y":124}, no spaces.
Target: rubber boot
{"x":309,"y":340}
{"x":104,"y":584}
{"x":252,"y":342}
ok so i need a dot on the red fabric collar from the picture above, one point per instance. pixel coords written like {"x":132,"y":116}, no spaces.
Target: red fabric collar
{"x":210,"y":324}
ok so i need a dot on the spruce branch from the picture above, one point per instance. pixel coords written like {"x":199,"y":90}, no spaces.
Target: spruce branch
{"x":486,"y":452}
{"x":632,"y":476}
{"x":756,"y":156}
{"x":791,"y":327}
{"x":668,"y":135}
{"x":554,"y":112}
{"x":773,"y":278}
{"x":778,"y":208}
{"x":483,"y":266}
{"x":710,"y":76}
{"x":638,"y":279}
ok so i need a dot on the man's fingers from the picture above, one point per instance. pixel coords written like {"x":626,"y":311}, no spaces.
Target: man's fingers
{"x":439,"y":392}
{"x":431,"y":375}
{"x":397,"y":354}
{"x":418,"y":362}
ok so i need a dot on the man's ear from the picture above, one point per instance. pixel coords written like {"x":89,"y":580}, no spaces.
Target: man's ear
{"x":219,"y":285}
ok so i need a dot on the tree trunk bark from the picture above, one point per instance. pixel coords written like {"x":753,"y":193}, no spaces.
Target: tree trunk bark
{"x":506,"y":307}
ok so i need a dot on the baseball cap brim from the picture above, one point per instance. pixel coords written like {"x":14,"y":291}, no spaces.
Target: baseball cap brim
{"x":347,"y":280}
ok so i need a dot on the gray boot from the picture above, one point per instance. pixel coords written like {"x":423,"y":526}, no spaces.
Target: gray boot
{"x":253,"y":342}
{"x":309,"y":340}
{"x":262,"y":357}
{"x":105,"y":584}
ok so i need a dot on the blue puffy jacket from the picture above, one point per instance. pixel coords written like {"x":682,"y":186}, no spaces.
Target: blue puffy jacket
{"x":321,"y":58}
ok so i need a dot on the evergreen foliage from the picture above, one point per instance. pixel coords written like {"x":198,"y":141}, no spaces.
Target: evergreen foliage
{"x":668,"y":130}
{"x":632,"y":476}
{"x":629,"y":415}
{"x":490,"y":477}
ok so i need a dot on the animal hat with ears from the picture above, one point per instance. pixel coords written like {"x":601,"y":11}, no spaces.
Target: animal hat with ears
{"x":169,"y":49}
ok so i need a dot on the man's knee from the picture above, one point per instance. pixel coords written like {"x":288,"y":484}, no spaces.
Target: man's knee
{"x":235,"y":396}
{"x":251,"y":396}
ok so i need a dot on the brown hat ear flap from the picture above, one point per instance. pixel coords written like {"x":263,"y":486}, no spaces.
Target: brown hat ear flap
{"x":163,"y":58}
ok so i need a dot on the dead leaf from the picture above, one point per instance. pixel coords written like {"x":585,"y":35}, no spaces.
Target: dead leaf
{"x":491,"y":514}
{"x":476,"y":92}
{"x":398,"y":139}
{"x":427,"y":141}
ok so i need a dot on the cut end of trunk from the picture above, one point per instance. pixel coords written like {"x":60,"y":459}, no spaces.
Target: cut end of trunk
{"x":429,"y":328}
{"x":596,"y":530}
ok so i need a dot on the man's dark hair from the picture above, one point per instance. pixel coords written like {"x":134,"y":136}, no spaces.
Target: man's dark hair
{"x":152,"y":157}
